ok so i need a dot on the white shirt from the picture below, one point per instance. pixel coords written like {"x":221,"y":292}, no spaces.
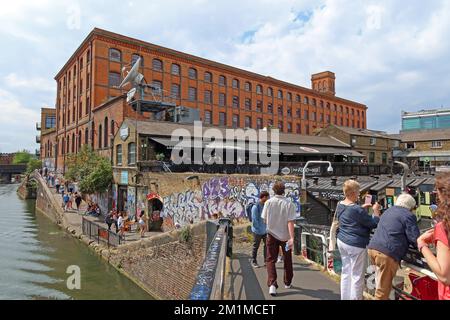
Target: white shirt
{"x":120,"y":222}
{"x":277,"y":212}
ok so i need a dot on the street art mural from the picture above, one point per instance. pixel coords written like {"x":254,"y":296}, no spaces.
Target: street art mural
{"x":221,"y":197}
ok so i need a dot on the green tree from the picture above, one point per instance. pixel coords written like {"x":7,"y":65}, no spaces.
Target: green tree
{"x":22,"y":157}
{"x":93,"y":172}
{"x":33,"y":164}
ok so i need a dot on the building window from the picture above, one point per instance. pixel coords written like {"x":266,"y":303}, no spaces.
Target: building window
{"x":410,"y":145}
{"x":373,"y":141}
{"x":88,"y":105}
{"x":222,"y":81}
{"x":248,"y":122}
{"x":175,"y":69}
{"x":248,"y":104}
{"x":207,"y":117}
{"x":114,"y":79}
{"x":289,"y":96}
{"x":306,"y":115}
{"x":88,"y":56}
{"x":320,"y":117}
{"x":289,"y":127}
{"x":259,"y":124}
{"x":269,"y":108}
{"x":135,"y":57}
{"x":314,"y":102}
{"x":371,"y":157}
{"x":131,"y":153}
{"x":88,"y":81}
{"x":106,"y":136}
{"x":328,"y":118}
{"x":436,"y":144}
{"x":86,"y":136}
{"x":321,"y":104}
{"x":298,"y":98}
{"x":259,"y":89}
{"x":280,"y":111}
{"x":222,"y":119}
{"x":289,"y":112}
{"x":313,"y":117}
{"x":115,"y":55}
{"x":80,"y":110}
{"x":157,"y":65}
{"x":208,"y":96}
{"x":235,"y":102}
{"x":259,"y":106}
{"x":299,"y":128}
{"x":100,"y":134}
{"x":235,"y":121}
{"x":81,"y":63}
{"x":208,"y":77}
{"x":298,"y":113}
{"x":157,"y":85}
{"x":175,"y":91}
{"x":50,"y":122}
{"x":192,"y":73}
{"x":280,"y":125}
{"x":270,"y":92}
{"x":384,"y":158}
{"x":248,"y":86}
{"x":306,"y":100}
{"x":119,"y":154}
{"x":192,"y":94}
{"x":280,"y":94}
{"x":222,"y":99}
{"x":235,"y":83}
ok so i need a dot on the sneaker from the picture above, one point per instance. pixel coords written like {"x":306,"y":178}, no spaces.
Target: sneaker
{"x":288,"y":286}
{"x":280,"y":259}
{"x":255,"y":264}
{"x":273,"y":291}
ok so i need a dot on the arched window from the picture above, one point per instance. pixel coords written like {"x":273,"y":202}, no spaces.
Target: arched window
{"x":100,"y":136}
{"x":68,"y":145}
{"x":289,"y":96}
{"x":112,"y":128}
{"x":259,"y":89}
{"x":92,"y":134}
{"x":280,"y":94}
{"x":115,"y":55}
{"x":298,"y":98}
{"x":157,"y":65}
{"x":192,"y":73}
{"x":222,"y":81}
{"x":269,"y":91}
{"x":235,"y":83}
{"x":314,"y":102}
{"x":306,"y":100}
{"x":88,"y":56}
{"x":105,"y":142}
{"x":135,"y":57}
{"x":175,"y":69}
{"x":131,"y":153}
{"x":86,"y":136}
{"x":208,"y":77}
{"x":248,"y":86}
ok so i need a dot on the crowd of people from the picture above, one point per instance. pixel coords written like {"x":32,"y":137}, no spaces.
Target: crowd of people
{"x":394,"y":232}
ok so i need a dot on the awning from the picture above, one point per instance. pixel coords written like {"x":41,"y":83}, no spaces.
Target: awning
{"x":439,"y":155}
{"x":167,"y":142}
{"x":259,"y":147}
{"x":315,"y":150}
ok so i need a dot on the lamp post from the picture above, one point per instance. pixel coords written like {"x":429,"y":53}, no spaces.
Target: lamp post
{"x":405,"y":172}
{"x":329,"y":170}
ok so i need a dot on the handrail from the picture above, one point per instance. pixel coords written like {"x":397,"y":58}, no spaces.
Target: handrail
{"x":99,"y":233}
{"x":209,"y":284}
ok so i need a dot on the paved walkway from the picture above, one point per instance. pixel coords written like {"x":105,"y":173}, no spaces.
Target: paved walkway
{"x":248,"y":283}
{"x":74,"y":217}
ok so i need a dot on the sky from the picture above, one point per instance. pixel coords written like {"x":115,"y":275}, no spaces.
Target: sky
{"x":389,"y":55}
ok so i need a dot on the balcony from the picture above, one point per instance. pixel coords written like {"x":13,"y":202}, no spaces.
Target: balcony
{"x":38,"y":139}
{"x":38,"y":126}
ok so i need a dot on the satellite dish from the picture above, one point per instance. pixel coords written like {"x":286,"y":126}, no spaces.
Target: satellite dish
{"x":130,"y":94}
{"x":133,"y":77}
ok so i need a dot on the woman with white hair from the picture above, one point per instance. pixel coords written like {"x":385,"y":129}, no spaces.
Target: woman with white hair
{"x":396,"y":231}
{"x":353,"y":235}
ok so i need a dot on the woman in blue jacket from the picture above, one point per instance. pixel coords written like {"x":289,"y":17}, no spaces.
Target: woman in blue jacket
{"x":353,"y":235}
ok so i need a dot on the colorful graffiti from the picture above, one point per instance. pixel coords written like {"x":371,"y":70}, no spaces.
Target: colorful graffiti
{"x":221,"y":197}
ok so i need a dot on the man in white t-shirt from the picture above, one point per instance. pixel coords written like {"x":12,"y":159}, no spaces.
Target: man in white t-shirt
{"x":279,"y":215}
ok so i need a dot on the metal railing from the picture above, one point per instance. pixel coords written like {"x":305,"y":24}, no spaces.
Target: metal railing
{"x":98,"y":233}
{"x":210,"y":281}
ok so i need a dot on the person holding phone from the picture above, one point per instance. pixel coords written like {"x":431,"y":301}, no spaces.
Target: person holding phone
{"x":353,"y":235}
{"x":439,"y":236}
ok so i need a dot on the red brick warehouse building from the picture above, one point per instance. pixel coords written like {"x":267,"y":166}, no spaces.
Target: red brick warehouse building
{"x":87,"y":112}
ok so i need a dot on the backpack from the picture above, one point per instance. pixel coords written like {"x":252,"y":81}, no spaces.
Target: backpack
{"x":248,"y":210}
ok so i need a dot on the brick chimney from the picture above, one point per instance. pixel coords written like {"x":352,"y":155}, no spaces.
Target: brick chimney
{"x":324,"y":82}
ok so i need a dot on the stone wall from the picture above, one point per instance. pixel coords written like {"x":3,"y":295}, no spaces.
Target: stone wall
{"x":163,"y":265}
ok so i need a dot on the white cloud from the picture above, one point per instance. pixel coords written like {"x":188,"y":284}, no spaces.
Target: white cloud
{"x":24,"y":82}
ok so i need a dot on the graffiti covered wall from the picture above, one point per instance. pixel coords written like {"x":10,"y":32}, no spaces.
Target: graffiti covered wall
{"x":221,"y":197}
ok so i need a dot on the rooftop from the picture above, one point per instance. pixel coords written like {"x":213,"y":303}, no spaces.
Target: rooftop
{"x":425,"y":135}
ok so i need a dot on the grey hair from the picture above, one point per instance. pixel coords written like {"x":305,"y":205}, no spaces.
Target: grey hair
{"x":405,"y":200}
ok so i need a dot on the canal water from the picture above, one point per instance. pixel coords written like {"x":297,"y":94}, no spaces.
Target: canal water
{"x":35,"y":255}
